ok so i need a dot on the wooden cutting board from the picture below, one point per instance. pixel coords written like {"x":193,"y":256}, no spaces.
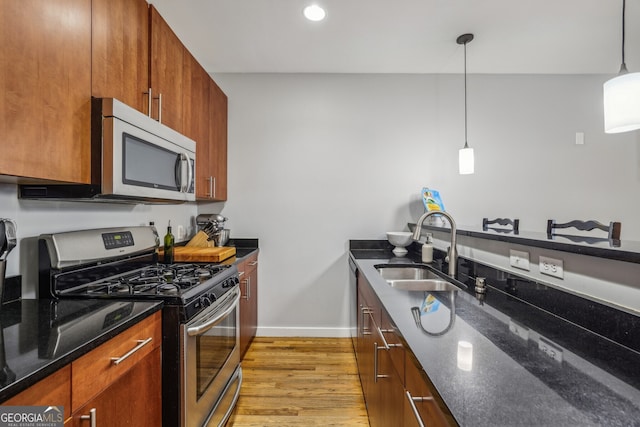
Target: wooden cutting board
{"x":196,"y":254}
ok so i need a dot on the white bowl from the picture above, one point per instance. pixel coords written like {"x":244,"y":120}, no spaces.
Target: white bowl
{"x":400,"y":239}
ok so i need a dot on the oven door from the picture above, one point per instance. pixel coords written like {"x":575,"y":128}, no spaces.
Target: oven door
{"x":210,"y":357}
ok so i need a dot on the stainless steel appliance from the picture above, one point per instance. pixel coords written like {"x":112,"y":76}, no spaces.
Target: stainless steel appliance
{"x":134,"y":159}
{"x":200,"y":354}
{"x":7,"y":243}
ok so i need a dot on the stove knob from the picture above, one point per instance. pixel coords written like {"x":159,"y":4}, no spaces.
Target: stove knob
{"x":205,"y":301}
{"x":212,"y":297}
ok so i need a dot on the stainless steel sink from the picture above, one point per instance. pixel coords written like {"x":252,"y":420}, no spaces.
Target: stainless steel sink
{"x":414,"y":278}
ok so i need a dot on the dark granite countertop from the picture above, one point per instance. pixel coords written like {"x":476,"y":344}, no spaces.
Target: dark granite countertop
{"x":38,"y":337}
{"x":513,"y":379}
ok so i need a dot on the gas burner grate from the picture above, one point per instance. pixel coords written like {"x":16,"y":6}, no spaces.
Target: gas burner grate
{"x":159,"y":279}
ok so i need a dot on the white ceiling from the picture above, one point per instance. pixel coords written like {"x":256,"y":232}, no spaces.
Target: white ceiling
{"x":407,"y":36}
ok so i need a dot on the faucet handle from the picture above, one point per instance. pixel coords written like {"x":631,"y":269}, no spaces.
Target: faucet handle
{"x":481,"y":286}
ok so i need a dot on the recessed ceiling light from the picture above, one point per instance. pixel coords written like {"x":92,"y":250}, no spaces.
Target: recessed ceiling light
{"x":314,"y":13}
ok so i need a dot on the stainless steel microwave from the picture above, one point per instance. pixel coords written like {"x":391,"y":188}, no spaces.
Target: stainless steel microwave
{"x":134,"y":159}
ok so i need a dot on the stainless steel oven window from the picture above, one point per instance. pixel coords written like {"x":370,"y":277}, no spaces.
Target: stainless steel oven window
{"x":210,"y":356}
{"x":213,"y":349}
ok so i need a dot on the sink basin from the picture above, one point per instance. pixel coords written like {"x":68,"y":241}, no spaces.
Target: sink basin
{"x":414,"y":278}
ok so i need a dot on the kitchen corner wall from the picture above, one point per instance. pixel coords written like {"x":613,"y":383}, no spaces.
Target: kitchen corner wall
{"x":318,"y":159}
{"x":35,"y":217}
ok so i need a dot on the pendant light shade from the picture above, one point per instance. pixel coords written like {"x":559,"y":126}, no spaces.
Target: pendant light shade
{"x":466,"y":161}
{"x":622,"y":103}
{"x":621,"y":96}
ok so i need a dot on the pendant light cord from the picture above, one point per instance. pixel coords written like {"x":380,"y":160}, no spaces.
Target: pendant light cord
{"x":623,"y":66}
{"x":465,"y":96}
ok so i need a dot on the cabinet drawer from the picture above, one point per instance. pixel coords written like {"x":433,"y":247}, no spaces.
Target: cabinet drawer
{"x":54,"y":390}
{"x":396,"y":349}
{"x":426,"y":403}
{"x":96,"y":370}
{"x":248,"y":264}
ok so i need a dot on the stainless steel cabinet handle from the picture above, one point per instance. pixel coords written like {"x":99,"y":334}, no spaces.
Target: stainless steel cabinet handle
{"x":253,"y":263}
{"x":388,"y":331}
{"x":210,"y":180}
{"x":363,"y":312}
{"x":241,"y":274}
{"x":376,"y":376}
{"x":159,"y":108}
{"x":91,"y":417}
{"x":384,"y":341}
{"x":141,"y":343}
{"x":247,"y":288}
{"x":412,"y":401}
{"x":213,"y":194}
{"x":150,"y":101}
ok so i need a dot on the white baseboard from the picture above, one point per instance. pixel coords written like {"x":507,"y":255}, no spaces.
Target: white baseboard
{"x":272,"y":331}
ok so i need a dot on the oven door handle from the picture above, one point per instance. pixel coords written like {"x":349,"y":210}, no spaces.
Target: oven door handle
{"x":229,"y":307}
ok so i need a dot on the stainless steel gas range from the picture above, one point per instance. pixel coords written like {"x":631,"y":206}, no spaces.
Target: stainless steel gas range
{"x":201,"y":373}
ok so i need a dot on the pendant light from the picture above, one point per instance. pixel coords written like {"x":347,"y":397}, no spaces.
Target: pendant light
{"x":622,"y":97}
{"x":465,"y":155}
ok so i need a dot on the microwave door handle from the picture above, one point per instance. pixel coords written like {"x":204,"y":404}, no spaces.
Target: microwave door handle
{"x":189,"y":174}
{"x":186,"y":161}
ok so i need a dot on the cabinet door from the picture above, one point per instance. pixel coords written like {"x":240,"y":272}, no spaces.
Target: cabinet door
{"x":120,"y":51}
{"x":45,"y":80}
{"x":54,"y":390}
{"x":388,"y":386}
{"x":166,"y":73}
{"x":248,"y":302}
{"x":218,"y":141}
{"x":135,"y":399}
{"x":196,"y":123}
{"x":424,"y":406}
{"x":364,"y":353}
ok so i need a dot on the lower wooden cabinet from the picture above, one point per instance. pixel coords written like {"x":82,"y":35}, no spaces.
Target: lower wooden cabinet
{"x":421,"y":407}
{"x":55,"y":390}
{"x":117,"y":384}
{"x":248,"y":270}
{"x":132,"y":399}
{"x":382,"y":384}
{"x":396,"y":389}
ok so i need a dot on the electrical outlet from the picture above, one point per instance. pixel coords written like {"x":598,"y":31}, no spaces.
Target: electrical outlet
{"x":180,"y":233}
{"x":551,"y":349}
{"x":519,"y":330}
{"x":519,"y":259}
{"x":551,"y":267}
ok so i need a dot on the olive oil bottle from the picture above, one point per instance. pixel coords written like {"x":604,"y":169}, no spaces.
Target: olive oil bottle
{"x":169,"y":242}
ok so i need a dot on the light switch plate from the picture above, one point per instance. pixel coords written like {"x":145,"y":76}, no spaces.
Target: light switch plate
{"x":519,"y":259}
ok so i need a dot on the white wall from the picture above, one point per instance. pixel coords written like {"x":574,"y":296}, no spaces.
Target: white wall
{"x":316,"y":160}
{"x":37,"y":217}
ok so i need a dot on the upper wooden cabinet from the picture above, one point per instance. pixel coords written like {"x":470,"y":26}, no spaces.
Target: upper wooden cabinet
{"x":45,"y":80}
{"x":56,"y":57}
{"x":213,"y":168}
{"x":167,"y":75}
{"x":120,"y":51}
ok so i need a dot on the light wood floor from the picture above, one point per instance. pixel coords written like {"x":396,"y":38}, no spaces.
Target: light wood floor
{"x":300,"y":382}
